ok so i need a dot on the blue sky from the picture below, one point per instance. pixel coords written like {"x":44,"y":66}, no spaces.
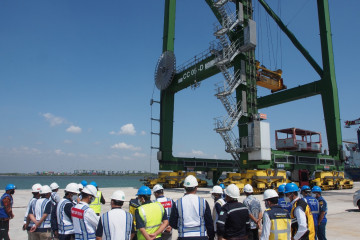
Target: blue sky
{"x":76,"y":79}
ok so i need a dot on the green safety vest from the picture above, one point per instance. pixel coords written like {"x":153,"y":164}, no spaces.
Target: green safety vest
{"x":96,"y":205}
{"x":151,"y":214}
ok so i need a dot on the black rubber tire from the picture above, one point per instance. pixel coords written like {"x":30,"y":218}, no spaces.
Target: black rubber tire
{"x":358,"y":204}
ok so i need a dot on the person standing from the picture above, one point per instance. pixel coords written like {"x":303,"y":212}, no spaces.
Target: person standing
{"x":55,"y":198}
{"x":133,"y":205}
{"x":255,"y":212}
{"x":234,"y":217}
{"x":167,"y":203}
{"x":282,"y":203}
{"x":151,"y":218}
{"x":6,"y":213}
{"x":313,"y":204}
{"x":191,"y":214}
{"x":276,"y":220}
{"x":321,"y":234}
{"x":35,"y":190}
{"x":62,"y":224}
{"x":83,"y":217}
{"x":99,"y":199}
{"x":115,"y":224}
{"x":216,"y":194}
{"x":40,"y":214}
{"x":302,"y":222}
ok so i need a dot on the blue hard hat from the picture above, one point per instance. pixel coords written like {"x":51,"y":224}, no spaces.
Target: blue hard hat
{"x":316,"y":189}
{"x":144,"y":190}
{"x":305,"y":188}
{"x":10,"y":187}
{"x":84,"y":183}
{"x":291,"y":187}
{"x":222,"y":185}
{"x":281,"y":188}
{"x":94,"y":184}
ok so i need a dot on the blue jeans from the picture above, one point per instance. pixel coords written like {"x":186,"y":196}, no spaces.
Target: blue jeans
{"x":321,"y":233}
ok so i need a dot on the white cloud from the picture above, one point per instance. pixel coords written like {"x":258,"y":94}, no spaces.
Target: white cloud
{"x":59,"y":152}
{"x":127,"y":129}
{"x":193,"y":153}
{"x":125,"y":146}
{"x":137,"y":154}
{"x":53,"y":120}
{"x":73,"y":129}
{"x":143,"y":133}
{"x":67,"y":141}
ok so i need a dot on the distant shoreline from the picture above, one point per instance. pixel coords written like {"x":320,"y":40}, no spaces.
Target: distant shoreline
{"x":72,"y":175}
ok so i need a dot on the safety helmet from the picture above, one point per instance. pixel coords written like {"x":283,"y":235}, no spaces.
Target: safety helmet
{"x":144,"y":190}
{"x":54,"y":186}
{"x":80,"y":186}
{"x":270,"y":193}
{"x":281,"y":188}
{"x":216,"y":189}
{"x":72,"y":187}
{"x":10,"y":187}
{"x":36,"y":188}
{"x":190,"y":181}
{"x":232,"y":191}
{"x":90,"y":189}
{"x":305,"y":188}
{"x":84,"y":183}
{"x":291,"y":187}
{"x":118,"y":195}
{"x":94,"y":184}
{"x":248,"y":188}
{"x":222,"y":185}
{"x":157,"y":187}
{"x":316,"y":189}
{"x":45,"y":189}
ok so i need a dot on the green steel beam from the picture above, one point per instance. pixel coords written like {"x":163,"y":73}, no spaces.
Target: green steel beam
{"x":329,"y":91}
{"x":292,"y":38}
{"x":169,"y":25}
{"x":196,"y":73}
{"x":296,"y":93}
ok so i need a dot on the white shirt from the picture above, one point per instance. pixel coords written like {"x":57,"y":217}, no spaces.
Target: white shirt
{"x":265,"y":234}
{"x":91,"y":220}
{"x":301,"y":220}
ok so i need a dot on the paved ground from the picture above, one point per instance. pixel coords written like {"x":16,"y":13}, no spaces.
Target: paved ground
{"x":343,"y":217}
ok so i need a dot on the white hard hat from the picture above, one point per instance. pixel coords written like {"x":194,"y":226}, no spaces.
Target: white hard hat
{"x":157,"y":187}
{"x":232,"y":191}
{"x":118,"y":195}
{"x":36,"y":188}
{"x":190,"y":181}
{"x":80,"y":186}
{"x":90,"y":189}
{"x":248,"y":188}
{"x":54,"y":186}
{"x":45,"y":189}
{"x":72,"y":187}
{"x":270,"y":193}
{"x":216,"y":189}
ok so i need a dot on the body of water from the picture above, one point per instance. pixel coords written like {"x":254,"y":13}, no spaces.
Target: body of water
{"x":26,"y":182}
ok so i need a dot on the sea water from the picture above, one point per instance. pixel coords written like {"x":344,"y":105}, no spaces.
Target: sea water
{"x":25,"y":182}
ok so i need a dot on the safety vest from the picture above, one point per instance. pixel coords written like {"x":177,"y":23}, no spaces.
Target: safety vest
{"x":83,"y":229}
{"x":287,"y":206}
{"x":309,"y":220}
{"x":280,"y":223}
{"x":30,"y":205}
{"x":39,"y":210}
{"x":314,"y":207}
{"x":191,"y":210}
{"x":116,"y":224}
{"x":133,"y":205}
{"x":65,"y":224}
{"x":54,"y":198}
{"x":3,"y":213}
{"x":215,"y":216}
{"x":167,"y":204}
{"x":96,"y":205}
{"x":151,"y":214}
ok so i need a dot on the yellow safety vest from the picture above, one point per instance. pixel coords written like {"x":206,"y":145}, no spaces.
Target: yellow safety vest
{"x":309,"y":218}
{"x":280,"y":223}
{"x":96,"y":205}
{"x":151,"y":214}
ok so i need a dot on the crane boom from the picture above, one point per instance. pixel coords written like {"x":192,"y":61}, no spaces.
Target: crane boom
{"x":350,"y":123}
